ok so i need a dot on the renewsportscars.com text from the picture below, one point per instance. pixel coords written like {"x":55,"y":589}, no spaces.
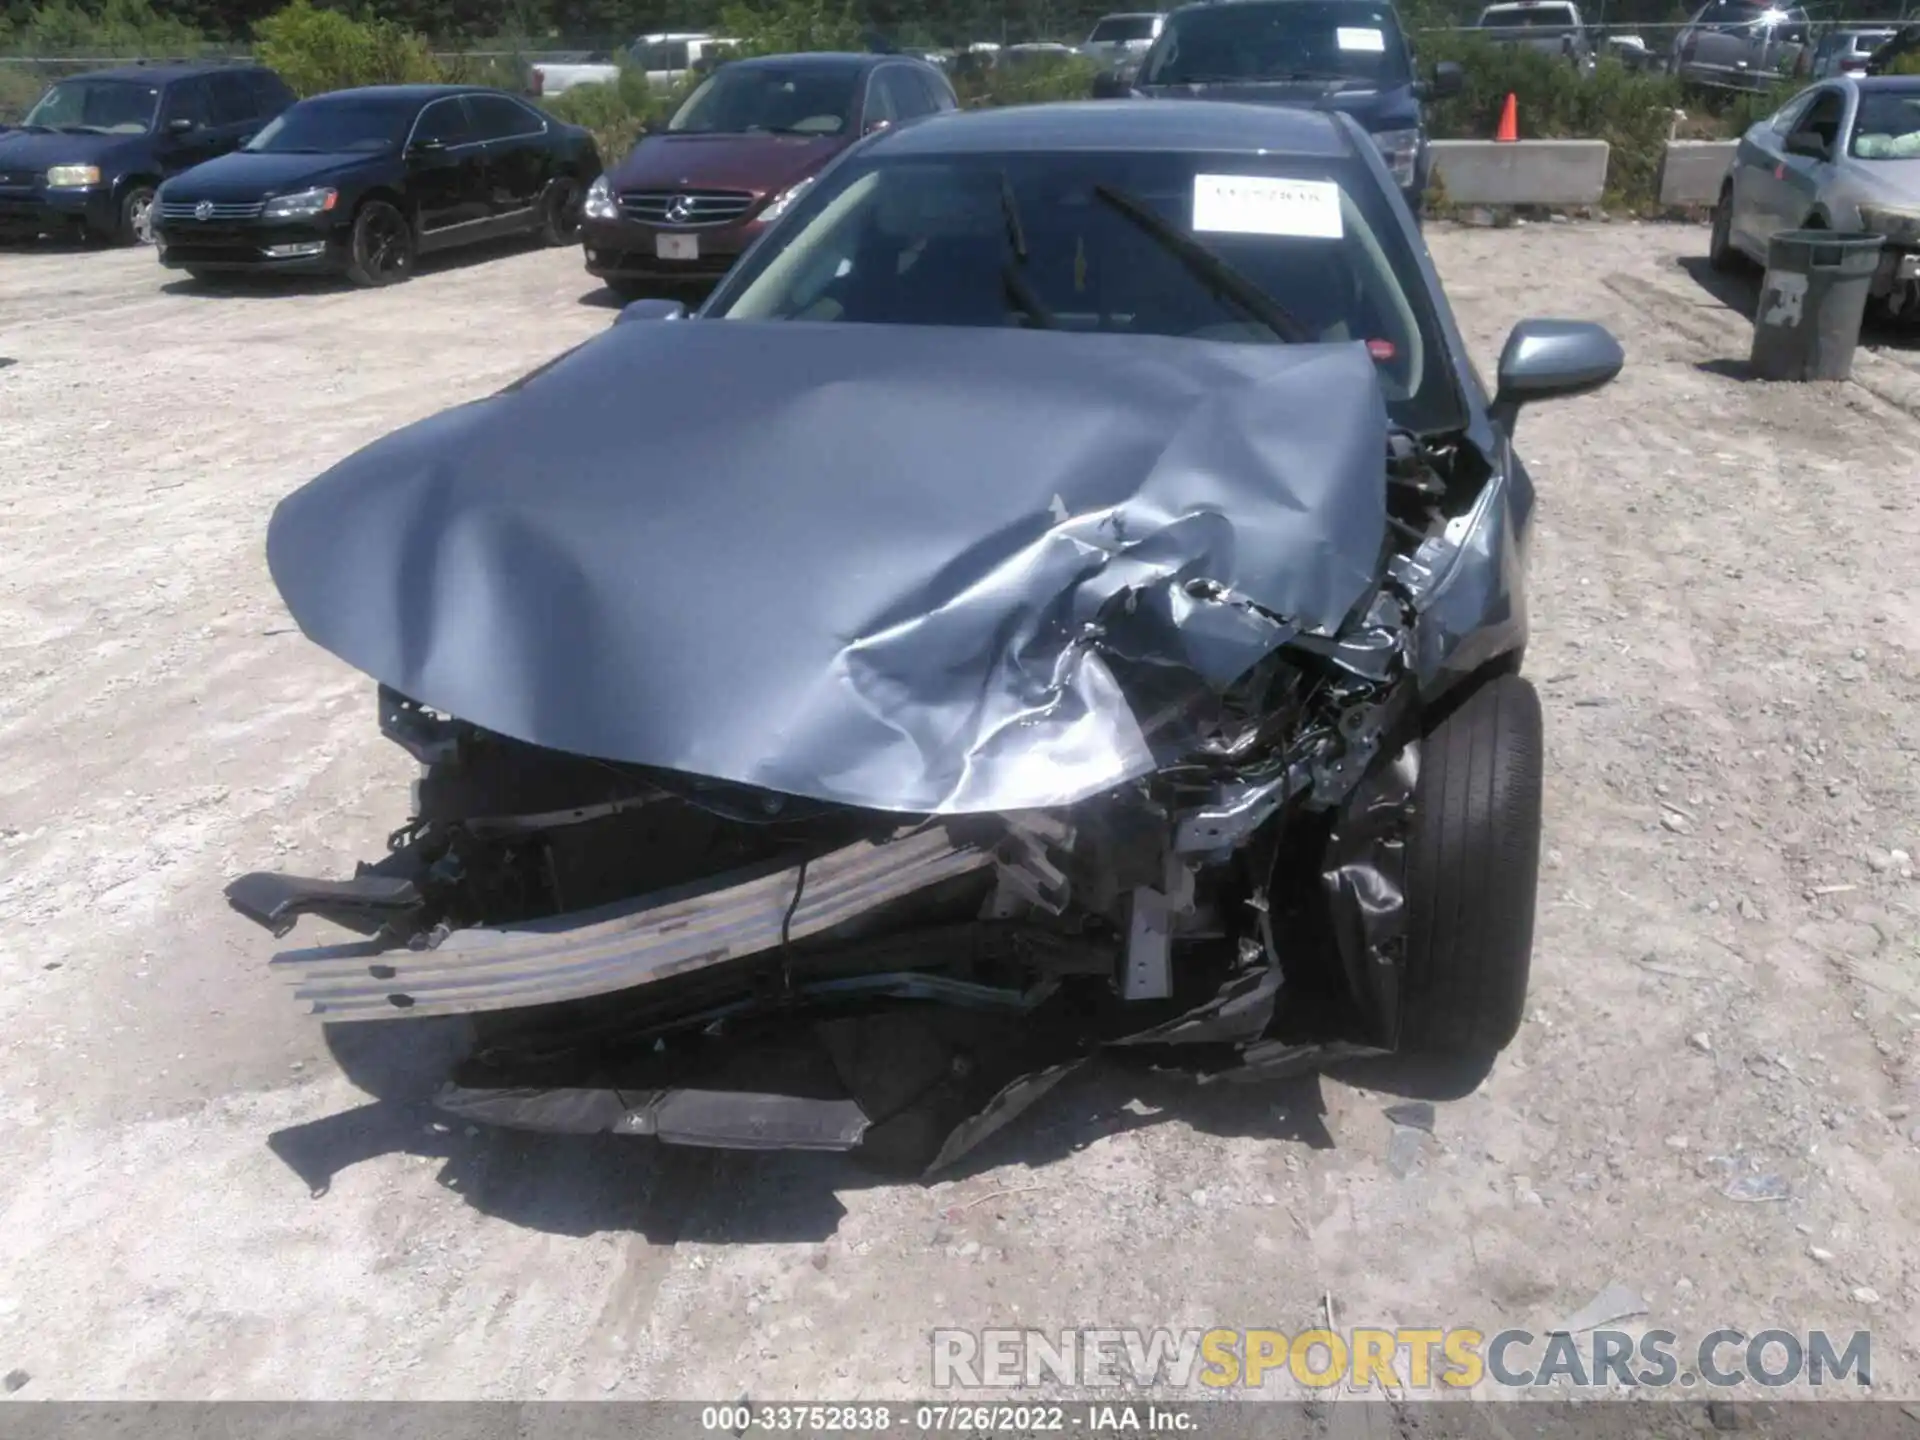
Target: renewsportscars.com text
{"x":1364,"y":1358}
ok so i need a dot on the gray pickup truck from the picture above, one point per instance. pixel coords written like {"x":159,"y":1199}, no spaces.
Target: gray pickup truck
{"x":1554,"y":27}
{"x":1742,"y":44}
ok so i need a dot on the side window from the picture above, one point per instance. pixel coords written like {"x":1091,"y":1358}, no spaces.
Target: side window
{"x":187,"y":101}
{"x":677,"y":57}
{"x":231,"y":99}
{"x":1823,"y":116}
{"x":933,"y":94}
{"x":907,"y":98}
{"x":446,"y":121}
{"x":495,"y":117}
{"x":1788,"y":120}
{"x":879,"y":100}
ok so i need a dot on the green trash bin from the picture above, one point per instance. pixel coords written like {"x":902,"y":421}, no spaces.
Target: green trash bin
{"x":1812,"y":303}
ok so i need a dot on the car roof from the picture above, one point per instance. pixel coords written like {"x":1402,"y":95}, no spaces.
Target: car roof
{"x":421,"y":93}
{"x":166,"y":72}
{"x":1895,"y":83}
{"x":1178,"y":125}
{"x":820,"y":59}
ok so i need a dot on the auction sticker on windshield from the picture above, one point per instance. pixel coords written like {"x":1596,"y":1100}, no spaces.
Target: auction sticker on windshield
{"x":1265,"y":205}
{"x":1357,"y":38}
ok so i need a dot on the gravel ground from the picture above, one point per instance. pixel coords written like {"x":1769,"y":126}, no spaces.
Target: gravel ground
{"x":199,"y":1204}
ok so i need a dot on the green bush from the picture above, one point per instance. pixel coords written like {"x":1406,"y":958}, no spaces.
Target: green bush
{"x":1631,"y":110}
{"x":20,"y":86}
{"x":782,"y":27}
{"x":620,"y":113}
{"x":128,"y":28}
{"x":1027,"y":82}
{"x":316,"y":50}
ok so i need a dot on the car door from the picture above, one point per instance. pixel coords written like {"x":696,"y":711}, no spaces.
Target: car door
{"x":1800,"y":179}
{"x":1758,"y":172}
{"x":446,"y":170}
{"x":187,"y":136}
{"x":517,"y":153}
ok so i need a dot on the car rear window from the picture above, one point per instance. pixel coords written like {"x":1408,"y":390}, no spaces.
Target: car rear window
{"x":932,"y":241}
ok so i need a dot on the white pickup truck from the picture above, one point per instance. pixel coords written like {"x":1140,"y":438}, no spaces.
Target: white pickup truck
{"x":666,"y":59}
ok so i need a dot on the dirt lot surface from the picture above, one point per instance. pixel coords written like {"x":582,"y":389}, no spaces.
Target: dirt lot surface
{"x":1713,"y":1103}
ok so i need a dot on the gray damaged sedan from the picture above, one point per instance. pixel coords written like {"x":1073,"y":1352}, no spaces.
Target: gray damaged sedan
{"x":1841,"y":155}
{"x":1060,"y":596}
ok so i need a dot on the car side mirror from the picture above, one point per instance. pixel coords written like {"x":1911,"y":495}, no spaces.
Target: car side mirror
{"x":652,"y":309}
{"x":1548,"y":359}
{"x":1448,"y":79}
{"x":1807,"y":142}
{"x":874,"y":127}
{"x":180,"y":125}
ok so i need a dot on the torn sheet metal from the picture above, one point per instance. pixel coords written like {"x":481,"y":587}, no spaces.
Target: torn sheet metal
{"x":901,"y":568}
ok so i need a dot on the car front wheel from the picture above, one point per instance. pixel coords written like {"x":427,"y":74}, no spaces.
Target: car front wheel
{"x":381,"y":249}
{"x":1722,"y":254}
{"x":136,"y":216}
{"x":1473,"y":864}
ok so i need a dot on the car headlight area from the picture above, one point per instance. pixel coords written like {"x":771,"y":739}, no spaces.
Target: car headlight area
{"x":1401,"y":150}
{"x":73,"y":177}
{"x":600,"y":202}
{"x":302,"y":204}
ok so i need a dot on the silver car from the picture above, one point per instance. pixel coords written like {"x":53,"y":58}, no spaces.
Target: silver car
{"x":1841,"y":155}
{"x":1118,"y":39}
{"x":1844,"y":52}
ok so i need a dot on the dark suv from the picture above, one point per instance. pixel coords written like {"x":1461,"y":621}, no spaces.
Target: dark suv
{"x":1347,"y":55}
{"x":89,"y":156}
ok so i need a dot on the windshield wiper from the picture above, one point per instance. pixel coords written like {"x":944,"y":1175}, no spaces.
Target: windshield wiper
{"x":1011,"y":275}
{"x":1213,"y":272}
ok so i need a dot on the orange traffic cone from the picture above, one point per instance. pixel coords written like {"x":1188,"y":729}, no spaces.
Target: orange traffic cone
{"x":1509,"y":120}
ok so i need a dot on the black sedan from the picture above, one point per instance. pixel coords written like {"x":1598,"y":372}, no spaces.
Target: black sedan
{"x":360,"y":182}
{"x":1109,"y":642}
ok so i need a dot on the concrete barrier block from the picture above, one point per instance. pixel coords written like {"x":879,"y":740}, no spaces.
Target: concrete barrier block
{"x":1522,"y":172}
{"x":1691,"y":170}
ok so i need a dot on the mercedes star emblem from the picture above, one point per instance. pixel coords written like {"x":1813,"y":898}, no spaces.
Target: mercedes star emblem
{"x":680,"y":209}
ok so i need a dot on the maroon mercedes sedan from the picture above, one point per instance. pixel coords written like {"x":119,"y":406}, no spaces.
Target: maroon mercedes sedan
{"x":690,"y":198}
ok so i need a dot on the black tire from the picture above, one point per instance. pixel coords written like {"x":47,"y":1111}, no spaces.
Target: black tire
{"x":628,"y":291}
{"x":1473,"y":865}
{"x":209,"y":279}
{"x":1722,"y":254}
{"x":381,"y":249}
{"x":560,"y":212}
{"x":136,"y":216}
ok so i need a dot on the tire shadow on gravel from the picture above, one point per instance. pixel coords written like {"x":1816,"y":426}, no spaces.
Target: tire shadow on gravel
{"x":581,"y":1185}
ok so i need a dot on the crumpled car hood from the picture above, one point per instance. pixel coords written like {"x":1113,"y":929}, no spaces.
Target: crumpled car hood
{"x":903,"y":568}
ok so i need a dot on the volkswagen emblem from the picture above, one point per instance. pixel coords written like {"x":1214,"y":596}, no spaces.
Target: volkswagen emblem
{"x":203,"y":211}
{"x":680,"y":209}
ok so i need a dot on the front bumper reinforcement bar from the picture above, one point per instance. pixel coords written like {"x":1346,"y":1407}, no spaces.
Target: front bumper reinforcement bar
{"x":615,"y":947}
